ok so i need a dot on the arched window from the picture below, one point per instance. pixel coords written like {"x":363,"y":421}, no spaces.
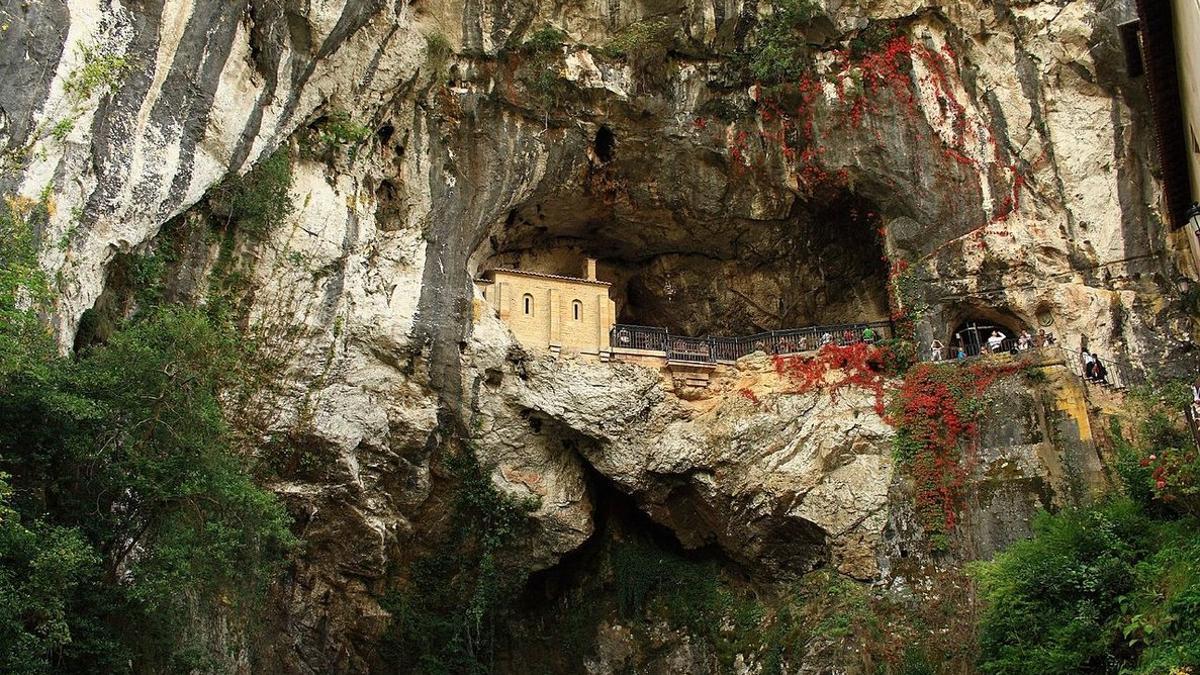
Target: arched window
{"x":577,"y":310}
{"x":528,"y":304}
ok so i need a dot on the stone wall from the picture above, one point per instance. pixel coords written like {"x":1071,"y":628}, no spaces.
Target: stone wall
{"x":555,"y":313}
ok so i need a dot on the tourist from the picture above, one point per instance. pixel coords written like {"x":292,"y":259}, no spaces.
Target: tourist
{"x":848,"y":337}
{"x":1047,"y":338}
{"x":1025,"y":342}
{"x":1099,"y":372}
{"x":1089,"y":364}
{"x":995,"y":342}
{"x":826,"y":338}
{"x":868,"y":335}
{"x":962,"y":351}
{"x":935,"y":349}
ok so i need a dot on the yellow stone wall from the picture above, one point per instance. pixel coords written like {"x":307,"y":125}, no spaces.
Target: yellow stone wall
{"x":551,"y":323}
{"x":1187,"y":44}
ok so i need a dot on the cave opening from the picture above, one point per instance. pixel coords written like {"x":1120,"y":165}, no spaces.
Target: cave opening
{"x":972,"y":336}
{"x":605,"y":145}
{"x":612,"y":575}
{"x":702,"y":269}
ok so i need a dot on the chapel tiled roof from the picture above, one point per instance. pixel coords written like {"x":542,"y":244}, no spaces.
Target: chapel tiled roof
{"x":545,"y":275}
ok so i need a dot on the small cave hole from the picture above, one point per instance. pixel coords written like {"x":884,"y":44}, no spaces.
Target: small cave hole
{"x":385,"y":133}
{"x":605,"y":145}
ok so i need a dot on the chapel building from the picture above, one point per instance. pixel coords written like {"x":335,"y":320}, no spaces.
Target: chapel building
{"x":552,"y":311}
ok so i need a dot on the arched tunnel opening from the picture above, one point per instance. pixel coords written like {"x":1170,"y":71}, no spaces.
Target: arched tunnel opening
{"x":984,"y":331}
{"x":821,"y":261}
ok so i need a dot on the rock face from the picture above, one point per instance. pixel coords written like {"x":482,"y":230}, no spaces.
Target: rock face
{"x":996,"y":153}
{"x":782,"y":483}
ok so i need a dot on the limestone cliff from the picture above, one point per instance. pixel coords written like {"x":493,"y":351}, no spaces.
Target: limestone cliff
{"x":995,"y":154}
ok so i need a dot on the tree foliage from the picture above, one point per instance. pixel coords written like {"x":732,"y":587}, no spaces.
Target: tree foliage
{"x":780,"y":52}
{"x":258,"y":201}
{"x":1109,"y":588}
{"x":124,"y":515}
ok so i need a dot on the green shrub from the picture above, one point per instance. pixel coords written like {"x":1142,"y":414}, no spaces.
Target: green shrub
{"x":872,"y":38}
{"x":780,"y":52}
{"x":645,"y":46}
{"x":449,"y":615}
{"x":24,"y":286}
{"x":337,"y":130}
{"x":543,"y":40}
{"x":99,"y":71}
{"x":640,"y":37}
{"x":259,"y":201}
{"x":437,"y":53}
{"x":1053,"y":600}
{"x":1101,"y":589}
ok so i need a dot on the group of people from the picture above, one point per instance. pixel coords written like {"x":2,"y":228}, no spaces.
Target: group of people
{"x":1093,"y":368}
{"x":995,"y":344}
{"x":806,"y":343}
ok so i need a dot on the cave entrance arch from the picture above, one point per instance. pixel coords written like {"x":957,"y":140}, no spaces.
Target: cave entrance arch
{"x":972,"y":335}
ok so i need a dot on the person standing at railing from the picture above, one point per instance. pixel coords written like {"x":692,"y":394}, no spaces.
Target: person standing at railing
{"x":868,"y":335}
{"x":1025,"y":341}
{"x":935,"y":350}
{"x":995,"y":342}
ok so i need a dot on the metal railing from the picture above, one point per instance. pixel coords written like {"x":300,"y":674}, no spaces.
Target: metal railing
{"x":1116,"y":373}
{"x":715,"y":349}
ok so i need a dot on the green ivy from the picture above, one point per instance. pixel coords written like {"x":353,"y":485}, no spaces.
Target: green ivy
{"x":448,"y":616}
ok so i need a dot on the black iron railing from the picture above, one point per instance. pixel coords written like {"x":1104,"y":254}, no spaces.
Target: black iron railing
{"x":728,"y":349}
{"x":1114,"y":372}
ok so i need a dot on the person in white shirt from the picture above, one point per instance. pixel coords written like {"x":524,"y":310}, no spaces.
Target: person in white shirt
{"x":935,"y":349}
{"x":995,"y":341}
{"x":1089,"y":364}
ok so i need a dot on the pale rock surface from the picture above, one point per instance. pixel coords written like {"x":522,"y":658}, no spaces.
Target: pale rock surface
{"x":365,"y":293}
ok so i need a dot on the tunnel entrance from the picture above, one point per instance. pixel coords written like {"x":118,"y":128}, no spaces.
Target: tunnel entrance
{"x":701,"y":272}
{"x":978,"y":336}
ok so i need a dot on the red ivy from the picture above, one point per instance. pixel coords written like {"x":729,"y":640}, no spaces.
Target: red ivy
{"x":860,"y":365}
{"x":937,"y":412}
